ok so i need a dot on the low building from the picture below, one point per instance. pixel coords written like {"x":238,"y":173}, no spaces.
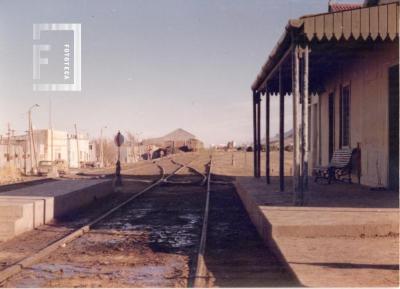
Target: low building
{"x":12,"y":152}
{"x":93,"y":152}
{"x":342,"y":70}
{"x":78,"y":150}
{"x":25,"y":151}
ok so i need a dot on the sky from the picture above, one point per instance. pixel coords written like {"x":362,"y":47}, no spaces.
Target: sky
{"x":148,"y":67}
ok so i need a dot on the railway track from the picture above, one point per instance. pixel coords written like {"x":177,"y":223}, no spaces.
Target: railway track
{"x":176,"y":232}
{"x":231,"y":252}
{"x":165,"y":179}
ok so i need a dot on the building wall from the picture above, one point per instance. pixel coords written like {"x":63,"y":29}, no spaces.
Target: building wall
{"x":60,"y":145}
{"x":75,"y":160}
{"x":64,"y":147}
{"x":368,"y":79}
{"x":13,"y":155}
{"x":128,"y":153}
{"x":92,"y":152}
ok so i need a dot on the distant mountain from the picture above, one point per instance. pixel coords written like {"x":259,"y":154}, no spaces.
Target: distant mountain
{"x":176,"y":135}
{"x":287,"y":134}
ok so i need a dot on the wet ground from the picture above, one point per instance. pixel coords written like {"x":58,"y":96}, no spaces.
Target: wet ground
{"x":153,"y":241}
{"x":30,"y":242}
{"x":150,"y":242}
{"x":235,"y":254}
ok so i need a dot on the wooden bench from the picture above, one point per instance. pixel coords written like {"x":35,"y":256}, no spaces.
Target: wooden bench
{"x":339,"y":169}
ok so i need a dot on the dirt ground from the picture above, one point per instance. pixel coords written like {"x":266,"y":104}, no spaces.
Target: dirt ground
{"x":149,"y":243}
{"x":364,"y":261}
{"x":235,"y":254}
{"x":344,"y":261}
{"x":25,"y":244}
{"x":153,"y":242}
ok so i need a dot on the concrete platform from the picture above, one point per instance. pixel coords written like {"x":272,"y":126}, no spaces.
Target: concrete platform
{"x":15,"y":218}
{"x":332,"y":240}
{"x":38,"y":217}
{"x":28,"y":208}
{"x":46,"y":202}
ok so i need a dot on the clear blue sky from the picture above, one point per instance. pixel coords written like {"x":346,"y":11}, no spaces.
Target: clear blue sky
{"x":148,"y":66}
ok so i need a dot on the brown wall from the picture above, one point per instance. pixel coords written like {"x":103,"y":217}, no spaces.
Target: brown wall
{"x":368,"y":79}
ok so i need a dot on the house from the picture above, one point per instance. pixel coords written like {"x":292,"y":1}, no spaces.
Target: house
{"x":60,"y":145}
{"x":341,"y":69}
{"x":78,"y":150}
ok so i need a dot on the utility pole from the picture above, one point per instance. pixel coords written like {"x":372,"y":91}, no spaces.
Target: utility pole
{"x":26,"y":152}
{"x":8,"y":142}
{"x":13,"y":149}
{"x":101,"y":147}
{"x":33,"y":145}
{"x":77,"y":145}
{"x":31,"y":139}
{"x":51,"y":128}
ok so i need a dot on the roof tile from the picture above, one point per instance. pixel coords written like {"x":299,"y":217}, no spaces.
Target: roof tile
{"x":337,"y":7}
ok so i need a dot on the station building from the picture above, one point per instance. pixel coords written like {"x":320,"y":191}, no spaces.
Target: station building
{"x":341,"y":69}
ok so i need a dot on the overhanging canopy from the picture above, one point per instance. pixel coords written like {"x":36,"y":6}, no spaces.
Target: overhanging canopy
{"x":377,"y":23}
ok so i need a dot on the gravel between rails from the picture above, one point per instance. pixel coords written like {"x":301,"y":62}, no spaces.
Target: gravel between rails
{"x":26,"y":244}
{"x":149,"y":242}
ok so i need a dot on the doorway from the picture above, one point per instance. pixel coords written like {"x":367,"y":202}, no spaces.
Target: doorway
{"x":394,"y":128}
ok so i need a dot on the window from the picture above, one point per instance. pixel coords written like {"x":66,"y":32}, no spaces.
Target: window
{"x":345,"y":117}
{"x":331,"y":115}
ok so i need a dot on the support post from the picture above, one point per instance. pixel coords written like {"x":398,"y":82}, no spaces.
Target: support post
{"x":267,"y":145}
{"x":297,"y":184}
{"x":281,"y":133}
{"x":254,"y":136}
{"x":306,"y":121}
{"x":258,"y":134}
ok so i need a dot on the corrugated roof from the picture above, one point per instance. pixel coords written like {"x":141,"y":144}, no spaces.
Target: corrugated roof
{"x":376,"y":22}
{"x":337,"y":7}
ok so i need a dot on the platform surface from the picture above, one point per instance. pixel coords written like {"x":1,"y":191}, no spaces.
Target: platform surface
{"x":47,"y":201}
{"x":325,"y":244}
{"x":54,"y":189}
{"x":345,"y":235}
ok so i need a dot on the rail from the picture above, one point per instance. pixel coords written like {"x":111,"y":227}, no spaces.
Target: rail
{"x":200,"y":276}
{"x":30,"y":260}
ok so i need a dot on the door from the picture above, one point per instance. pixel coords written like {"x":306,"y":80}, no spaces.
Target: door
{"x":394,"y":128}
{"x":331,"y":112}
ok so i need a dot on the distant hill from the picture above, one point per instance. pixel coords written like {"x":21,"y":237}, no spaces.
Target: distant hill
{"x":176,"y":135}
{"x":287,"y":135}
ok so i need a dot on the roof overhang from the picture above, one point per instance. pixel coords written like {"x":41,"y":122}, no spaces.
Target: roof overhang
{"x":376,"y":23}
